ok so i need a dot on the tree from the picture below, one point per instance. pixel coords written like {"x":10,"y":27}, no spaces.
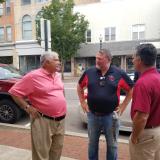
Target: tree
{"x":67,"y":28}
{"x":1,"y":1}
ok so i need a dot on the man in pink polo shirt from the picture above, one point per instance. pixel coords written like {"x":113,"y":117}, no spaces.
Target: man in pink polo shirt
{"x":145,"y":110}
{"x":47,"y":107}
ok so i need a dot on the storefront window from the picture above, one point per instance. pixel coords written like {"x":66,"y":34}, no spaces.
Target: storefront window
{"x":28,"y":63}
{"x":116,"y":60}
{"x":129,"y":65}
{"x":158,"y":62}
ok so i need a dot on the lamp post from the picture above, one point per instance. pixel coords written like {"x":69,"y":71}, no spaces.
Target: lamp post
{"x":100,"y":41}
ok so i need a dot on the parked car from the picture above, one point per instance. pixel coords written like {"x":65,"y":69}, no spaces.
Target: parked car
{"x":10,"y":112}
{"x":125,"y":120}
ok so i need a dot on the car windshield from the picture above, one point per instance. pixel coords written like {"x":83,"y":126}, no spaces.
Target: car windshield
{"x":7,"y":72}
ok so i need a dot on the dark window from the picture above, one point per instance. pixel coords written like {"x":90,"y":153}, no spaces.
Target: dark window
{"x":8,"y":7}
{"x":25,"y":2}
{"x":88,"y":36}
{"x":28,"y":63}
{"x":6,"y":60}
{"x":158,"y":62}
{"x":67,"y":66}
{"x":116,"y":60}
{"x":129,"y":64}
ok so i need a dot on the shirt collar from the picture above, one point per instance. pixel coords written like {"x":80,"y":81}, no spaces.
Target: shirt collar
{"x":110,"y":70}
{"x":45,"y":72}
{"x":150,"y":70}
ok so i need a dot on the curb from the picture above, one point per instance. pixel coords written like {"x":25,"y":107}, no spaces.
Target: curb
{"x":67,"y":133}
{"x":6,"y":152}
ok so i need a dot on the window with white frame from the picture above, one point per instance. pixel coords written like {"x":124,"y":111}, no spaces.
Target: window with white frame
{"x":88,"y":35}
{"x":41,"y":0}
{"x":25,"y":2}
{"x":110,"y":33}
{"x":1,"y":9}
{"x":138,"y":31}
{"x":26,"y":27}
{"x":9,"y":33}
{"x":1,"y":33}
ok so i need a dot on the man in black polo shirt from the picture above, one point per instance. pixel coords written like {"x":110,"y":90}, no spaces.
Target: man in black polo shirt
{"x":103,"y":84}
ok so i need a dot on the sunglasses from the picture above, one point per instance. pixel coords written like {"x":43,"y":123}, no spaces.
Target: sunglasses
{"x":102,"y":81}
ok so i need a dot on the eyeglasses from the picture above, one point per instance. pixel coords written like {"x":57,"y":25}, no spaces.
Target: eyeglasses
{"x":102,"y":81}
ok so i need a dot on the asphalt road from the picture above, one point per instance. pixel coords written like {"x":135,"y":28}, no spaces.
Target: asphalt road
{"x":73,"y":120}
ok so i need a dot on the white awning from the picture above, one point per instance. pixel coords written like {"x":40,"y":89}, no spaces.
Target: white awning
{"x":29,"y":49}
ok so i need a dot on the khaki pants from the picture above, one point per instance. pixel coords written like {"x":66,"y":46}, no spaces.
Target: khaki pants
{"x":47,"y":138}
{"x":148,"y":146}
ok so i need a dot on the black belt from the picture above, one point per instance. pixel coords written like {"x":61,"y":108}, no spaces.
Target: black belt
{"x":53,"y":118}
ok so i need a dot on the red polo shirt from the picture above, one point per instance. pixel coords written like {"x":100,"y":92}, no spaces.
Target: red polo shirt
{"x":146,"y":96}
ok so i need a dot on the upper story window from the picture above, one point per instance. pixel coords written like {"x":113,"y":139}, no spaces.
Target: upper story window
{"x":1,"y":34}
{"x":88,"y":36}
{"x":41,"y":0}
{"x":138,"y":31}
{"x":25,"y":2}
{"x":9,"y":33}
{"x":26,"y":27}
{"x":110,"y":34}
{"x":8,"y":7}
{"x":1,"y":9}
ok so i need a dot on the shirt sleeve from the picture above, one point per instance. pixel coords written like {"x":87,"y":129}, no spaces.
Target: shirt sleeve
{"x":83,"y":81}
{"x":141,"y":100}
{"x":125,"y":83}
{"x":23,"y":87}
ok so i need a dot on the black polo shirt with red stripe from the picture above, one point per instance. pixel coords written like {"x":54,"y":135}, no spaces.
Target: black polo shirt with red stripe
{"x":104,"y":91}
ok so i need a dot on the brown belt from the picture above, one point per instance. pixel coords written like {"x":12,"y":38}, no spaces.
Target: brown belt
{"x":151,"y":127}
{"x":53,"y":118}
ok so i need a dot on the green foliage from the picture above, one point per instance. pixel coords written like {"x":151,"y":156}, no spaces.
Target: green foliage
{"x":1,"y":1}
{"x":67,"y":28}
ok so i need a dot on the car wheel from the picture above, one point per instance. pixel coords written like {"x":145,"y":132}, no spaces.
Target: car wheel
{"x":9,"y":112}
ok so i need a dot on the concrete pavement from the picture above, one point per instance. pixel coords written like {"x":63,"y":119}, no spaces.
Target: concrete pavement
{"x":13,"y":153}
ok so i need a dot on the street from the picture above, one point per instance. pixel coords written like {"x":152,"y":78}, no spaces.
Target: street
{"x":73,"y":120}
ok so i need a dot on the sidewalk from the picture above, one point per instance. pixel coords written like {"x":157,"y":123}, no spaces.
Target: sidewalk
{"x":15,"y":144}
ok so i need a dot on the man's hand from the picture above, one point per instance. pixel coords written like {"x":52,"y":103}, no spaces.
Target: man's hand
{"x":134,"y":139}
{"x":85,"y":107}
{"x":139,"y":123}
{"x":33,"y":112}
{"x":119,"y":110}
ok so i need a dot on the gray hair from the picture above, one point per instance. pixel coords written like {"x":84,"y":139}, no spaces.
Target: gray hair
{"x":107,"y":53}
{"x":48,"y":56}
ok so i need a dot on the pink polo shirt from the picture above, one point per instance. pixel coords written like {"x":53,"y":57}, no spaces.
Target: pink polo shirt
{"x":44,"y":91}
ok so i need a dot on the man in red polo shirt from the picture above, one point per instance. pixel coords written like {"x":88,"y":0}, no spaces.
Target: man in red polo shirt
{"x":145,"y":110}
{"x":47,"y":109}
